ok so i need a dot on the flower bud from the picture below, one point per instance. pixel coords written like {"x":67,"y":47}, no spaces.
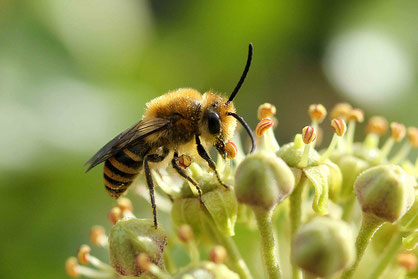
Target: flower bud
{"x":412,"y":133}
{"x":323,"y":246}
{"x":385,"y":191}
{"x":231,"y":150}
{"x":339,"y":126}
{"x":397,"y":131}
{"x":223,"y":207}
{"x":377,"y":125}
{"x":317,"y":113}
{"x":218,"y":254}
{"x":308,"y":134}
{"x":266,"y":110}
{"x":341,"y":110}
{"x":185,"y":161}
{"x":292,"y":153}
{"x":188,"y":211}
{"x":207,"y":270}
{"x":131,"y":237}
{"x":71,"y":267}
{"x":82,"y":254}
{"x":263,"y":126}
{"x":356,"y":115}
{"x":263,"y":180}
{"x":185,"y":233}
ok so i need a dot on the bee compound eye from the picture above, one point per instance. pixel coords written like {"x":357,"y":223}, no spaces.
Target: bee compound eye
{"x":214,"y":123}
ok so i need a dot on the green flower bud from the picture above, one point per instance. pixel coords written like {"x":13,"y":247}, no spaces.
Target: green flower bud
{"x":223,"y":207}
{"x":350,"y":167}
{"x":323,"y":246}
{"x":263,"y":180}
{"x":188,"y":211}
{"x":207,"y":270}
{"x":130,"y":237}
{"x":385,"y":191}
{"x":292,"y":153}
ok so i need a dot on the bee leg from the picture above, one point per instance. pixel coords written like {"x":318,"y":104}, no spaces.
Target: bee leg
{"x":154,"y":158}
{"x":202,"y":152}
{"x":181,"y":171}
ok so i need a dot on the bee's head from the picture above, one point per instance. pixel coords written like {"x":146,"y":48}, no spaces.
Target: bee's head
{"x":218,"y":120}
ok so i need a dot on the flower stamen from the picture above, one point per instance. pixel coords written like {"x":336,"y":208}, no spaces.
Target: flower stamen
{"x":397,"y":134}
{"x":355,"y":115}
{"x":339,"y":126}
{"x":308,"y":136}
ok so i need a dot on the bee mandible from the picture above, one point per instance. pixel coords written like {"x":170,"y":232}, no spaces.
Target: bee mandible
{"x":180,"y":121}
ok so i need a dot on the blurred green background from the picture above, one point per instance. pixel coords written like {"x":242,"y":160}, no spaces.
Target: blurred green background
{"x":75,"y":73}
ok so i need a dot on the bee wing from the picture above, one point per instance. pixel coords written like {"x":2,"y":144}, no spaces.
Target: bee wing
{"x":127,"y":138}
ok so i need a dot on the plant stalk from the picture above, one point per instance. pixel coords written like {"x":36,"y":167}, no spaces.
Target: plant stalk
{"x":268,"y":241}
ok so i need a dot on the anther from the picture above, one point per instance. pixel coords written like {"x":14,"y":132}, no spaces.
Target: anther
{"x":185,"y":233}
{"x":263,"y":126}
{"x":397,"y":131}
{"x":266,"y":110}
{"x":124,"y":204}
{"x":308,"y":134}
{"x":71,"y":267}
{"x":82,"y":254}
{"x":339,"y":126}
{"x":218,"y":254}
{"x":231,"y":150}
{"x":341,"y":110}
{"x":98,"y":236}
{"x":317,"y":112}
{"x":376,"y":127}
{"x":115,"y":214}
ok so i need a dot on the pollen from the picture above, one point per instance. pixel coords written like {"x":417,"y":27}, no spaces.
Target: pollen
{"x":317,"y":112}
{"x":185,"y":161}
{"x":397,"y":131}
{"x":339,"y":126}
{"x":341,"y":110}
{"x":377,"y":125}
{"x":263,"y":126}
{"x":356,"y":115}
{"x":266,"y":110}
{"x":231,"y":150}
{"x":82,"y":254}
{"x":308,"y":134}
{"x":412,"y":133}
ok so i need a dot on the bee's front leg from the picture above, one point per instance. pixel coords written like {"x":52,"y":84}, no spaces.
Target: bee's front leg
{"x":181,"y":171}
{"x":202,"y":152}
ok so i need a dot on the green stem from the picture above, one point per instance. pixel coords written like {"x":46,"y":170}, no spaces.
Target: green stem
{"x":268,"y":241}
{"x":389,"y":254}
{"x":295,"y":213}
{"x":234,"y":256}
{"x":369,"y":225}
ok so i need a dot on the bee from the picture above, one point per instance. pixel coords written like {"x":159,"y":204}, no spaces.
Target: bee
{"x":180,"y":121}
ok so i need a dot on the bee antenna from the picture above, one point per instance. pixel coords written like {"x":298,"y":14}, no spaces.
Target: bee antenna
{"x":246,"y":127}
{"x":244,"y":74}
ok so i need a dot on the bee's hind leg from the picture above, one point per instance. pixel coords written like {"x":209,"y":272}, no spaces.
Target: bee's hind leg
{"x":181,"y":171}
{"x":202,"y":152}
{"x":154,"y":158}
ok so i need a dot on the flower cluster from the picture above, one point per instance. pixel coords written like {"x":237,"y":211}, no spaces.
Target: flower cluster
{"x":327,"y":205}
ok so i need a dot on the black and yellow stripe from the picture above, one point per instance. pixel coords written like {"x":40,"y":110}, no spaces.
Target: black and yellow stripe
{"x":120,"y":171}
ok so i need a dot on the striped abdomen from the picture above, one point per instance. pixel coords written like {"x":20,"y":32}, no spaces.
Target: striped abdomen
{"x":121,"y":170}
